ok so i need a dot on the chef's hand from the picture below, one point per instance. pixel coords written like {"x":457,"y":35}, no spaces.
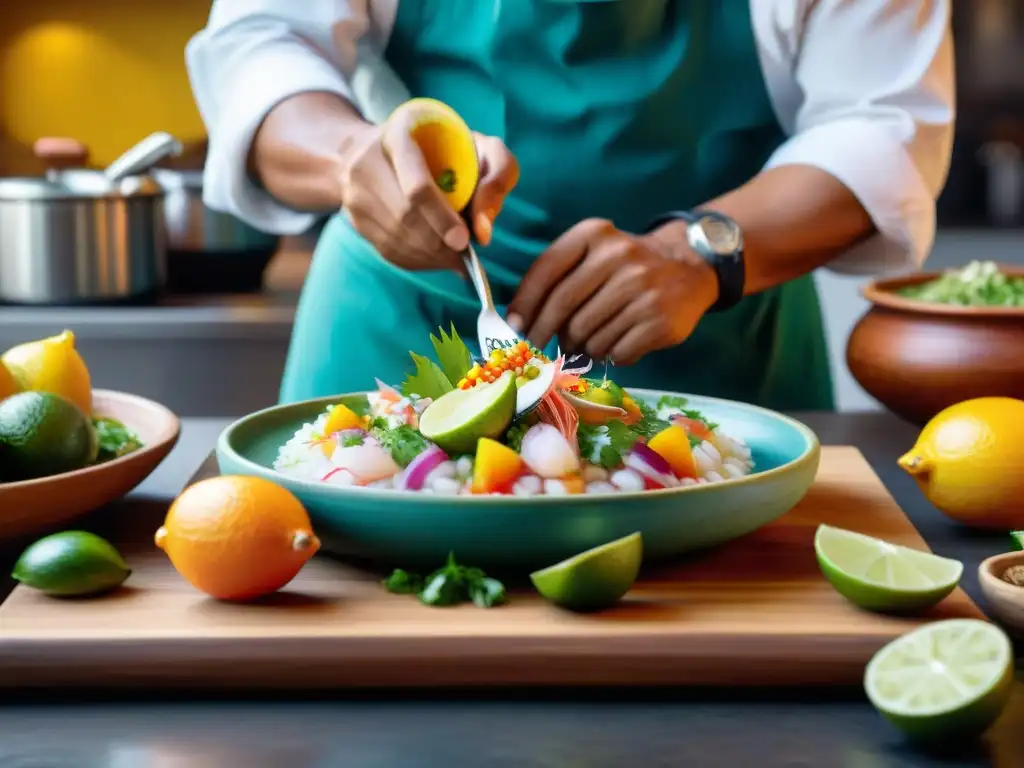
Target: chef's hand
{"x":393,"y":201}
{"x":613,"y":294}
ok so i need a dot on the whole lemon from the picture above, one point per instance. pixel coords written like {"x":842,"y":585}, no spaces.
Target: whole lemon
{"x":52,"y":365}
{"x":969,"y":462}
{"x":237,"y":538}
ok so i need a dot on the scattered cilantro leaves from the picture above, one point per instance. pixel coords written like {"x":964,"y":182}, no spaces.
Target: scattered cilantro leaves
{"x":453,"y":356}
{"x":449,"y":585}
{"x":428,"y":380}
{"x":404,"y":442}
{"x":403,"y":583}
{"x":350,"y":441}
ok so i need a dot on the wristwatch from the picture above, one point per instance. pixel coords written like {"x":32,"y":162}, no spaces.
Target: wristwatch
{"x":719,"y":241}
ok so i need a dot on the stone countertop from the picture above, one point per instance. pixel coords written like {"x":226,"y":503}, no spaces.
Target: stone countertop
{"x":767,"y":729}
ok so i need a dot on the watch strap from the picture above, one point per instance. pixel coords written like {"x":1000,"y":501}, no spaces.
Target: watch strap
{"x":729,"y":268}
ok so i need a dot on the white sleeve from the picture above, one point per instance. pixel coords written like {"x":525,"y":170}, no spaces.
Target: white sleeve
{"x":866,"y":91}
{"x":251,"y":56}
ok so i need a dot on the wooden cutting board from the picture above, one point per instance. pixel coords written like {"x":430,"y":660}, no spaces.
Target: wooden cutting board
{"x":754,"y":612}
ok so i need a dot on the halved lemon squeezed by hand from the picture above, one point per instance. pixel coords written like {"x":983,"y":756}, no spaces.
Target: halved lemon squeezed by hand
{"x":447,"y":145}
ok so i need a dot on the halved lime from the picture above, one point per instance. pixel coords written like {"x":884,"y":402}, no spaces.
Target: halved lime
{"x":943,"y":682}
{"x":458,"y":419}
{"x":1017,"y":537}
{"x":71,"y":563}
{"x":594,"y":579}
{"x":880,"y":576}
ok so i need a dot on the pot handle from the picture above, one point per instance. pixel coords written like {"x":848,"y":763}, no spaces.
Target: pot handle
{"x":61,"y":153}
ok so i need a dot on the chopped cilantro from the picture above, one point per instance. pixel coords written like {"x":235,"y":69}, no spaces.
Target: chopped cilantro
{"x":450,"y":585}
{"x":350,"y":441}
{"x":514,"y":436}
{"x":114,"y":438}
{"x":404,"y":442}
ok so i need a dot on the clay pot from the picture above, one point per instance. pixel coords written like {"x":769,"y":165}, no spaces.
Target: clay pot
{"x":918,"y":358}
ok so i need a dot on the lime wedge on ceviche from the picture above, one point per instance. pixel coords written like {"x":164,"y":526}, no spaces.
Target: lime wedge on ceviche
{"x":880,"y":576}
{"x":459,"y":418}
{"x":595,"y":579}
{"x":943,"y":682}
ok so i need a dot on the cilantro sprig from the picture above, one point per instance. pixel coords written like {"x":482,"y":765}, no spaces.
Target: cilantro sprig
{"x":433,"y":379}
{"x":449,"y":585}
{"x":404,"y":442}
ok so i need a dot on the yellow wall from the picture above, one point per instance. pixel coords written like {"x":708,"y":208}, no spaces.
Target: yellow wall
{"x":106,"y":72}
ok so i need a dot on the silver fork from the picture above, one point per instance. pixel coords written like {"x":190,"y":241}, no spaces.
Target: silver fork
{"x":491,"y":329}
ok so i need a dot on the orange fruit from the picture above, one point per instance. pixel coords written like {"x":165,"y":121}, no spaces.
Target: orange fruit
{"x":8,"y":385}
{"x":968,"y":459}
{"x":447,"y":145}
{"x":237,"y":538}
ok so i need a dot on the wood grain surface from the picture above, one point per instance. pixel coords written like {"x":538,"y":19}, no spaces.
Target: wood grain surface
{"x":754,"y":612}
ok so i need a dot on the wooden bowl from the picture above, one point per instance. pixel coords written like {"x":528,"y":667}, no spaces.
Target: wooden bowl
{"x":37,"y":505}
{"x":918,"y":358}
{"x":1005,"y":601}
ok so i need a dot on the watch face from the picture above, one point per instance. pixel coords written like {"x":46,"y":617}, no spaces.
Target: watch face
{"x":722,"y":236}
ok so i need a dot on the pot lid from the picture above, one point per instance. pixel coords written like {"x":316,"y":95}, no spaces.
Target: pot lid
{"x":77,"y":184}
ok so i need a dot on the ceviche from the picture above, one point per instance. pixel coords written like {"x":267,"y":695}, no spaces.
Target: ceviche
{"x":516,"y":423}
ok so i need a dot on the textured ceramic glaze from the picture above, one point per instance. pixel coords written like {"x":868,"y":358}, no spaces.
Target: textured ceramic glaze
{"x":509,"y":532}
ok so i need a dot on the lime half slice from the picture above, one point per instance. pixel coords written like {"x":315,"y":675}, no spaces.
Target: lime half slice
{"x":595,"y":579}
{"x":1017,"y":537}
{"x":880,"y":576}
{"x":943,"y":682}
{"x":458,"y":419}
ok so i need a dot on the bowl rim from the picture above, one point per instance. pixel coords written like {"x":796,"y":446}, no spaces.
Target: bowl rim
{"x":809,"y":455}
{"x":880,"y":293}
{"x":997,"y":590}
{"x":169,"y":433}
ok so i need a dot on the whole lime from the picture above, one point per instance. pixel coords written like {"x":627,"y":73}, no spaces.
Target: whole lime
{"x":42,"y":434}
{"x":71,"y":563}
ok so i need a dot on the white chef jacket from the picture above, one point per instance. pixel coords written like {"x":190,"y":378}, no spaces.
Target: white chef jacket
{"x":864,"y":90}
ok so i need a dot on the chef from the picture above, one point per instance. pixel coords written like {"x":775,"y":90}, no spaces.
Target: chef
{"x":660,"y":178}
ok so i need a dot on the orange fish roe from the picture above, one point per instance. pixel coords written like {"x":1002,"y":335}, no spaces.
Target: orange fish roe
{"x":514,"y":359}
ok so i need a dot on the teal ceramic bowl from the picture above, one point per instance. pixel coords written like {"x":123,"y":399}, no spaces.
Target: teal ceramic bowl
{"x":508,"y":533}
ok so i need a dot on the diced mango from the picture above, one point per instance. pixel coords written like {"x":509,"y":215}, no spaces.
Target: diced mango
{"x":574,"y":484}
{"x":633,"y":412}
{"x":496,"y":467}
{"x":342,"y":417}
{"x":673,"y":445}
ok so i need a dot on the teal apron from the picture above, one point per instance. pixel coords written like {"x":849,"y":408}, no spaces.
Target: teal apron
{"x":617,"y":110}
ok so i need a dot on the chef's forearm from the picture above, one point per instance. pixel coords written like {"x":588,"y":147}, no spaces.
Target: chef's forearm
{"x":298,"y":150}
{"x":795,"y":218}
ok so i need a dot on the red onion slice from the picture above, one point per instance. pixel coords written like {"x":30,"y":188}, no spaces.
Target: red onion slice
{"x":415,"y":475}
{"x":651,"y":465}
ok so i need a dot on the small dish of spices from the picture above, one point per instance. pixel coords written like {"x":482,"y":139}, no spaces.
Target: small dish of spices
{"x":1002,"y":582}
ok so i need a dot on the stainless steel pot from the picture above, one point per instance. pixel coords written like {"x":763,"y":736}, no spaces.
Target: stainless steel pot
{"x":76,"y":237}
{"x":209,"y":251}
{"x":193,"y":227}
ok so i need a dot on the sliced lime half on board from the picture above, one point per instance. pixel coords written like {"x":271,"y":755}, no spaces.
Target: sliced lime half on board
{"x":880,"y":576}
{"x":595,"y":579}
{"x":944,"y":682}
